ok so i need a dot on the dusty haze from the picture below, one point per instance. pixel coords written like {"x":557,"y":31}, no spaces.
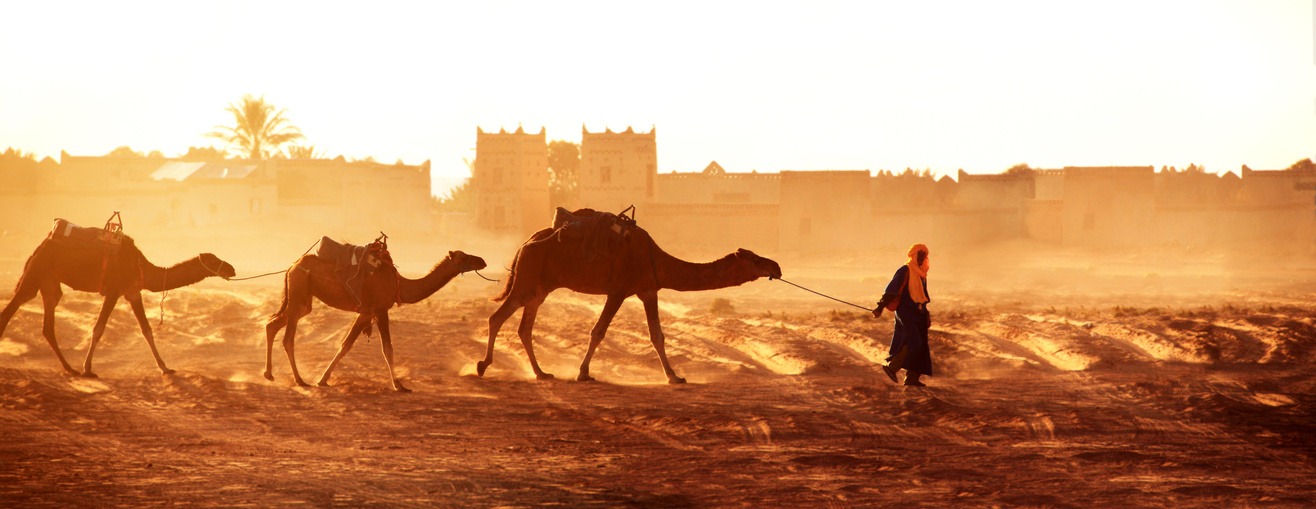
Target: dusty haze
{"x":1147,"y":376}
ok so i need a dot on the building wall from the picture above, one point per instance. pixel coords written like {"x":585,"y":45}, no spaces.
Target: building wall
{"x":1108,"y":206}
{"x":618,"y":170}
{"x":392,"y":198}
{"x":316,"y":197}
{"x":1269,"y":205}
{"x":1189,"y":207}
{"x":204,"y":204}
{"x":1042,"y":220}
{"x":728,"y":188}
{"x":990,"y":207}
{"x":510,"y":181}
{"x":712,"y":228}
{"x":825,"y":210}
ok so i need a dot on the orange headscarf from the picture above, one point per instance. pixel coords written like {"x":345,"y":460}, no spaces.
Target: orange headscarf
{"x":916,"y":285}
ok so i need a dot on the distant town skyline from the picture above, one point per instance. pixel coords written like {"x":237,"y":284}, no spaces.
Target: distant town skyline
{"x":755,"y":86}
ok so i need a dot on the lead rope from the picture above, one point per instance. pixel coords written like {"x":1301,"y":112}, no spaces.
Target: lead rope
{"x":308,"y":250}
{"x":254,"y":277}
{"x":164,"y":283}
{"x":164,"y":278}
{"x":825,"y":295}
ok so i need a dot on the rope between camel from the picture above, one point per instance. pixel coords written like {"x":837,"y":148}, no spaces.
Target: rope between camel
{"x":825,"y":295}
{"x":260,"y":276}
{"x":284,"y":271}
{"x":486,"y":278}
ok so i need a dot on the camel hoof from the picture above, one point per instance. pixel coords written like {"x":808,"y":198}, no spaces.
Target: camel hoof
{"x":167,"y":371}
{"x":269,"y":376}
{"x":480,"y":367}
{"x":675,"y":380}
{"x":88,"y":374}
{"x":322,"y":383}
{"x":398,"y":387}
{"x":584,"y":378}
{"x":545,"y":376}
{"x":302,"y":383}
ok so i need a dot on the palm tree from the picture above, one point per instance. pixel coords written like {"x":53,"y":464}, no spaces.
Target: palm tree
{"x":302,"y":152}
{"x":260,"y":129}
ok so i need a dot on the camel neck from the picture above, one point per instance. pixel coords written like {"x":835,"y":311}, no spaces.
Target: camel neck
{"x":411,"y":291}
{"x":680,"y":275}
{"x":159,"y":279}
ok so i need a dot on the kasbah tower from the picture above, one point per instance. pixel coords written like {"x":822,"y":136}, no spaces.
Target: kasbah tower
{"x":511,"y":181}
{"x":617,"y":170}
{"x":510,"y":177}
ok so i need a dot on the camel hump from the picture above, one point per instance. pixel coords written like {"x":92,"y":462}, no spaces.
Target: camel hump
{"x":563,"y":216}
{"x":587,"y":220}
{"x":352,"y":263}
{"x":67,"y":234}
{"x":351,"y":255}
{"x":600,"y":233}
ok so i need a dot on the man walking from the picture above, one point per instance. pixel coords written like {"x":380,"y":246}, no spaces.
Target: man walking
{"x":907,"y":295}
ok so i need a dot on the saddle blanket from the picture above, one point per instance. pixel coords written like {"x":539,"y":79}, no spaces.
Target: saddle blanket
{"x":69,"y":234}
{"x":352,"y":263}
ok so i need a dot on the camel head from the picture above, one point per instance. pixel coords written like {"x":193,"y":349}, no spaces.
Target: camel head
{"x":465,"y":262}
{"x":760,"y":266}
{"x":216,"y":266}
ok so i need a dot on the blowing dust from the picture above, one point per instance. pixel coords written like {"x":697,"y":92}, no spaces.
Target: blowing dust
{"x":1163,"y":374}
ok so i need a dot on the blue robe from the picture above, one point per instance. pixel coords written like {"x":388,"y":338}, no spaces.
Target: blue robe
{"x":912,"y":323}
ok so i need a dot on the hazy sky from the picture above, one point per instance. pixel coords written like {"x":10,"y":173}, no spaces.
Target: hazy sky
{"x":753,"y":85}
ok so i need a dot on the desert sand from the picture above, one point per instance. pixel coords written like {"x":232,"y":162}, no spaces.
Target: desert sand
{"x":1132,"y":380}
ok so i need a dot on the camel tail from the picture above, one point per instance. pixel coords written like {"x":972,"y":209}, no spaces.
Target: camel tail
{"x":511,"y":278}
{"x":283,"y":306}
{"x":538,"y":236}
{"x":27,"y":266}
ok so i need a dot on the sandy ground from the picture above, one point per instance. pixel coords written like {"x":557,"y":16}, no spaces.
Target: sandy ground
{"x":1062,"y":399}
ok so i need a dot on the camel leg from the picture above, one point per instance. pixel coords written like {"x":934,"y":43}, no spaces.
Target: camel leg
{"x":296,"y":304}
{"x":656,"y":336}
{"x":22,"y":294}
{"x":135,"y":301}
{"x":289,"y":346}
{"x":596,"y":335}
{"x":386,"y":342}
{"x":359,"y":325}
{"x":496,"y":321}
{"x":50,"y":295}
{"x":277,"y":323}
{"x":97,"y":331}
{"x":527,"y":339}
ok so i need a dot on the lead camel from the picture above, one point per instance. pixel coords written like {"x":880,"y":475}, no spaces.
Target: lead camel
{"x":124,"y":274}
{"x":639,"y":267}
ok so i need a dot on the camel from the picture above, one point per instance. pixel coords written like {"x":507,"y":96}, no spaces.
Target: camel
{"x":312,"y":276}
{"x":548,"y":261}
{"x":123,"y":274}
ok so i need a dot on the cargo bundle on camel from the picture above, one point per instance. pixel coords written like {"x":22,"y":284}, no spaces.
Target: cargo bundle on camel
{"x":607,"y":254}
{"x":104,"y":261}
{"x":359,"y":279}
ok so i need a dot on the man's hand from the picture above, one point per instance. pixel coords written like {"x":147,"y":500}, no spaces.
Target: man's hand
{"x":877,"y":311}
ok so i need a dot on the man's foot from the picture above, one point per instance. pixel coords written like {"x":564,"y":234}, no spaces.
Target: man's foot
{"x":914,"y":383}
{"x":890,"y":372}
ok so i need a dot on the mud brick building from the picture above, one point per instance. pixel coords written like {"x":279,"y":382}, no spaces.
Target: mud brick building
{"x":855,"y":210}
{"x":510,"y":180}
{"x":324,"y":196}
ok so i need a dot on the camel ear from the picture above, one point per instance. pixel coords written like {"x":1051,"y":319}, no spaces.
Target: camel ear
{"x":452,"y":254}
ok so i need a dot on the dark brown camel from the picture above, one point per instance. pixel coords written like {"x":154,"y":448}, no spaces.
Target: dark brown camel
{"x":124,"y":274}
{"x":313,"y":276}
{"x":547,"y":262}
